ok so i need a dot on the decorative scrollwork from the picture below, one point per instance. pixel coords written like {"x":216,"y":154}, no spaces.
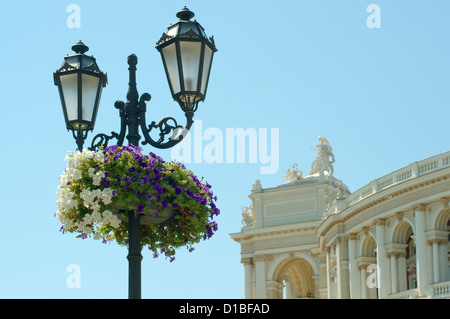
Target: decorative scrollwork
{"x":103,"y":140}
{"x":93,"y":68}
{"x":168,"y":127}
{"x":66,"y":67}
{"x":165,"y":128}
{"x":165,"y":37}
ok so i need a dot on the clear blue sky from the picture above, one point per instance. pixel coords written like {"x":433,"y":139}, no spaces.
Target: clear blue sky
{"x":307,"y":68}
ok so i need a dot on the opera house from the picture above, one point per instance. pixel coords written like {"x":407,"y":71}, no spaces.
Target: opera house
{"x":312,"y":238}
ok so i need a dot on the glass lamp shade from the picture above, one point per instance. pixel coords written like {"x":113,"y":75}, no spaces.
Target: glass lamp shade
{"x":187,"y":55}
{"x":80,"y":83}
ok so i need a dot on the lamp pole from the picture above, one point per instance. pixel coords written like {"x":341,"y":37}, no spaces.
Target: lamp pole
{"x":187,"y":54}
{"x":134,"y":220}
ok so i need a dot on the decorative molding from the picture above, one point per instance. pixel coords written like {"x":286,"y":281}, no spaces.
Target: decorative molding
{"x":375,"y":202}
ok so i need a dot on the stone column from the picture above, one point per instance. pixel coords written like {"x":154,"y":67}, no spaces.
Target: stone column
{"x":260,"y":276}
{"x":402,"y":279}
{"x":248,"y":278}
{"x":316,"y":279}
{"x":394,"y":272}
{"x":430,"y":276}
{"x":288,"y":288}
{"x":328,"y":272}
{"x":443,"y":265}
{"x":333,"y":287}
{"x":342,"y":268}
{"x":438,"y":239}
{"x":435,"y":243}
{"x":362,"y":270}
{"x":355,"y":286}
{"x":381,"y":259}
{"x":338,"y":277}
{"x":421,"y":249}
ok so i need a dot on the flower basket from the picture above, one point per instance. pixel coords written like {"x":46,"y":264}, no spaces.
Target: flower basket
{"x":99,"y":188}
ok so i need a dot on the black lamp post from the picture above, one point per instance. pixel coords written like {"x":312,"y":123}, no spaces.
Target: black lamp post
{"x":187,"y":56}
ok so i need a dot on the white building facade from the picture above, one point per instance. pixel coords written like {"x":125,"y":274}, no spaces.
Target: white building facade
{"x":312,"y":238}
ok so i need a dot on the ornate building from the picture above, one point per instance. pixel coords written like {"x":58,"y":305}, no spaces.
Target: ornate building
{"x":312,"y":238}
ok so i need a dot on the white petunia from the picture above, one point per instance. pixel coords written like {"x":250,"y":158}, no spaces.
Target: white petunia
{"x":91,"y":171}
{"x":76,"y":174}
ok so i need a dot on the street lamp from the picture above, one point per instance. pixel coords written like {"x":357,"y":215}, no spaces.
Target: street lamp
{"x":80,"y":83}
{"x":187,"y":55}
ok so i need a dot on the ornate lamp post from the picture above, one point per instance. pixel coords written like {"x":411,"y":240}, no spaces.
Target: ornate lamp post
{"x":187,"y":55}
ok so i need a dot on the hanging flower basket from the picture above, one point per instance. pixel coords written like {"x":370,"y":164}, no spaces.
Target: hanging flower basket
{"x":99,"y":189}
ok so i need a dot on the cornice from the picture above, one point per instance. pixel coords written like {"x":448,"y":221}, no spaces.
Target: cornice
{"x":265,"y":232}
{"x":395,"y":191}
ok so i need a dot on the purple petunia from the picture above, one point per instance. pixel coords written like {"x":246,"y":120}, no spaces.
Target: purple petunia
{"x":159,"y":189}
{"x":178,"y":190}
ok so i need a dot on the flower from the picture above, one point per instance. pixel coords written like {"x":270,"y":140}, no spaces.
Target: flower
{"x":99,"y":188}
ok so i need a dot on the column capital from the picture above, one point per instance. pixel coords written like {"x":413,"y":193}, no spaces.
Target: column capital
{"x":351,"y":236}
{"x":246,"y":261}
{"x":401,"y":254}
{"x":436,"y":241}
{"x":380,"y":222}
{"x":419,"y":208}
{"x":365,"y":230}
{"x":337,"y":240}
{"x":391,"y":254}
{"x":363,"y":266}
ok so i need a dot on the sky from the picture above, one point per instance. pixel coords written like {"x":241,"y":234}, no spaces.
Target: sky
{"x":373,"y":80}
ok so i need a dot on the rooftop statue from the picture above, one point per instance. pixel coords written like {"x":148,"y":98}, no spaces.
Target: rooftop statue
{"x":248,"y":217}
{"x":324,"y":159}
{"x":293,"y":175}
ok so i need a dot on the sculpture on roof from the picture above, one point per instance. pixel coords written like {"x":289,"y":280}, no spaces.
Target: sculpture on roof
{"x":324,"y":159}
{"x":248,"y":218}
{"x":293,"y":175}
{"x":341,"y":190}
